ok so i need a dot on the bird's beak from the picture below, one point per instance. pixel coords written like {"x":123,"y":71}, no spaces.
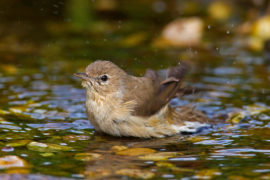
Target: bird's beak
{"x":83,"y":76}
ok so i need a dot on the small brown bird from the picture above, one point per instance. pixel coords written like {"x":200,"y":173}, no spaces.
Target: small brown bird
{"x":124,"y":105}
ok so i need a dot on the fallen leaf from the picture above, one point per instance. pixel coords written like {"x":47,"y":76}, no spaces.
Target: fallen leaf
{"x":135,"y":151}
{"x":265,"y":176}
{"x":160,"y":156}
{"x":3,"y":112}
{"x":236,"y":117}
{"x":43,"y":147}
{"x":220,"y":10}
{"x":9,"y":68}
{"x":238,"y":178}
{"x":118,"y":148}
{"x":136,"y":173}
{"x":18,"y":171}
{"x":251,"y":110}
{"x":12,"y":161}
{"x":261,"y":28}
{"x":47,"y":154}
{"x":197,"y":138}
{"x":87,"y":156}
{"x":18,"y":143}
{"x":172,"y":167}
{"x":76,"y":137}
{"x":207,"y":173}
{"x":97,"y":173}
{"x":134,"y":39}
{"x":165,"y":164}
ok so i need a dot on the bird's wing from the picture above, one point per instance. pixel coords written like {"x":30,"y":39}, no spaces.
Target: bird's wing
{"x":164,"y":84}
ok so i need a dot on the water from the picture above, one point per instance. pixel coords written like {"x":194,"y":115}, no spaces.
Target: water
{"x":42,"y":116}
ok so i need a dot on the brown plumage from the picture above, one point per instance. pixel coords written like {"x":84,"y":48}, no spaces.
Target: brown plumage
{"x":123,"y":105}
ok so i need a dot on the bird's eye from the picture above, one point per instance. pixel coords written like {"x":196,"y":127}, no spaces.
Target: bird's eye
{"x":104,"y":78}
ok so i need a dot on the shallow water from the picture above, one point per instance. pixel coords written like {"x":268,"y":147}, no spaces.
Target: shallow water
{"x":42,"y":115}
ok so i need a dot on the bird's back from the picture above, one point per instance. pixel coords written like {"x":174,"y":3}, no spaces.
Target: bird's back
{"x":155,"y":89}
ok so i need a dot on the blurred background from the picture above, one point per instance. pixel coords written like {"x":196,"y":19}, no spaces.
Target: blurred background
{"x":44,"y":131}
{"x":141,"y":33}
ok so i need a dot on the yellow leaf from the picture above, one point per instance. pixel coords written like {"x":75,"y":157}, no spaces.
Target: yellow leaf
{"x":236,"y":117}
{"x":172,"y":167}
{"x":261,"y":28}
{"x":220,"y":10}
{"x":47,"y":154}
{"x":97,"y":173}
{"x":87,"y":156}
{"x":118,"y":148}
{"x":18,"y":171}
{"x":3,"y":112}
{"x":8,"y":68}
{"x":18,"y":143}
{"x":47,"y":147}
{"x":134,"y":39}
{"x":12,"y":161}
{"x":135,"y":151}
{"x":238,"y":178}
{"x":207,"y":174}
{"x":159,"y":156}
{"x":197,"y":138}
{"x":76,"y":137}
{"x":136,"y":173}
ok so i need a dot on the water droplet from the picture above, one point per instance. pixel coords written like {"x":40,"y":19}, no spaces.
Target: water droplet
{"x":47,"y":163}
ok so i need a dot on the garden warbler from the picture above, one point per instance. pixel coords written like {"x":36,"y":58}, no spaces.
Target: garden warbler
{"x":120,"y":104}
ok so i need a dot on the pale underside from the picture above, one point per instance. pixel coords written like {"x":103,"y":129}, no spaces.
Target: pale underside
{"x":107,"y":116}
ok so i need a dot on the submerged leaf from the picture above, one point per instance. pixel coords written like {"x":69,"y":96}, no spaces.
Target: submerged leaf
{"x":136,"y":173}
{"x":135,"y":151}
{"x":240,"y":178}
{"x":159,"y":156}
{"x":97,"y":173}
{"x":9,"y":68}
{"x":172,"y":167}
{"x":12,"y":161}
{"x":261,"y":28}
{"x":207,"y":174}
{"x":3,"y":112}
{"x":118,"y":148}
{"x":18,"y":171}
{"x":251,"y":110}
{"x":87,"y":156}
{"x":237,"y":117}
{"x":18,"y":143}
{"x":220,"y":10}
{"x":134,"y":39}
{"x":47,"y":154}
{"x":42,"y":147}
{"x":197,"y":138}
{"x":76,"y":137}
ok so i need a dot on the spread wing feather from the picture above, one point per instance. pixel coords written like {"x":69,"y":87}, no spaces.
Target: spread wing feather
{"x":161,"y":86}
{"x":166,"y":86}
